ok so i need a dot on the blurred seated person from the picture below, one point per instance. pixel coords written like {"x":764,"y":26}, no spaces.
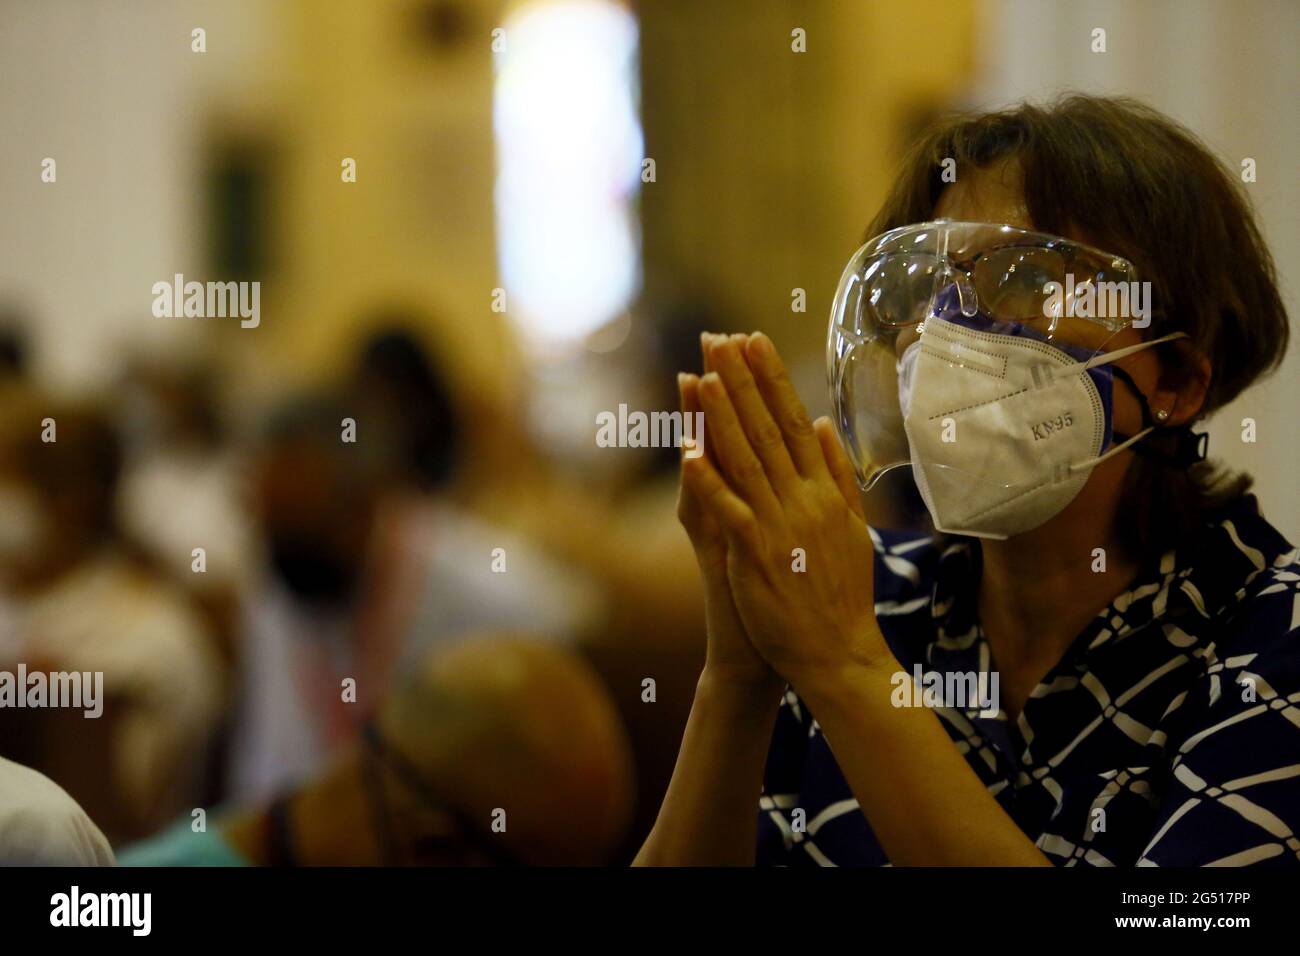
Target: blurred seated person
{"x":396,"y":385}
{"x":363,"y":574}
{"x":489,"y":726}
{"x":180,"y":487}
{"x":71,"y":600}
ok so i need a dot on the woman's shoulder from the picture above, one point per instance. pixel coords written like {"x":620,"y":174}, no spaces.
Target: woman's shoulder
{"x":1268,"y":612}
{"x":1245,"y":577}
{"x":1237,"y":609}
{"x":1231,"y":732}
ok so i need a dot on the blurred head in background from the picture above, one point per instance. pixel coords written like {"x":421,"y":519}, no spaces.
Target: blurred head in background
{"x":59,"y":466}
{"x":170,"y":408}
{"x":504,"y":730}
{"x":395,"y":381}
{"x":498,"y":751}
{"x":319,"y":477}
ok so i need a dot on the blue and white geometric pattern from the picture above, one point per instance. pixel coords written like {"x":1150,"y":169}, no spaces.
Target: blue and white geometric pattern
{"x":1167,"y":735}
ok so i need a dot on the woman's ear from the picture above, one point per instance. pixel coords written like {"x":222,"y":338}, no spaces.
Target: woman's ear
{"x":1184,"y":383}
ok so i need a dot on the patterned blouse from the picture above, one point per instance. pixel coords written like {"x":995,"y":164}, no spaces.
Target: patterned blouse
{"x":1168,"y":734}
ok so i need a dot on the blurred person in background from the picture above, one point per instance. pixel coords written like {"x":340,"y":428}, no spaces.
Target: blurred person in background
{"x":463,"y":568}
{"x":305,"y":624}
{"x":71,"y":599}
{"x":181,"y":488}
{"x":496,"y":729}
{"x":366,"y":567}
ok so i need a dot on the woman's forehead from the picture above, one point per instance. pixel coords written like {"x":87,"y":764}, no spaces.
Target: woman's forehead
{"x":992,"y":194}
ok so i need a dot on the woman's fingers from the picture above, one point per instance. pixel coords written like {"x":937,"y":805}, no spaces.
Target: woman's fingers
{"x":785,"y":407}
{"x":688,"y":391}
{"x":705,"y":339}
{"x":764,"y":436}
{"x":731,"y":450}
{"x":702,"y":479}
{"x":838,"y":464}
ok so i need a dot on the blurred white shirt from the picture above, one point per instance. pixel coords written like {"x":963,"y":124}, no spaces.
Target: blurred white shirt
{"x":440,"y":588}
{"x":172,"y":502}
{"x":40,"y":825}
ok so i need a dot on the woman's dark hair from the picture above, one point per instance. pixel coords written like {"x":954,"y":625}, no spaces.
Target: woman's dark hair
{"x":1122,"y":176}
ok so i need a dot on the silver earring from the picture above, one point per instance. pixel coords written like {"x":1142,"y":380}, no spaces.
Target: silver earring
{"x":1162,"y":415}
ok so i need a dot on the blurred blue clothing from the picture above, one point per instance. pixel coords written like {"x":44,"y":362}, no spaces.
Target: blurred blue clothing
{"x":179,"y":845}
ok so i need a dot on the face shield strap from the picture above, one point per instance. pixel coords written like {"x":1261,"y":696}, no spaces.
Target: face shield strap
{"x":1176,"y":447}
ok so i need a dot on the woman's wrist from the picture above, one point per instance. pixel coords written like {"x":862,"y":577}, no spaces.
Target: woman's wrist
{"x":869,"y":674}
{"x":740,"y":683}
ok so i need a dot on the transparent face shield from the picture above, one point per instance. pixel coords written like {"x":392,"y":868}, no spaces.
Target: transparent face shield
{"x":980,"y":354}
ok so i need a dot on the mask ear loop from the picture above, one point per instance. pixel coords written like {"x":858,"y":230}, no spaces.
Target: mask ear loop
{"x":1189,"y":446}
{"x":1148,"y":422}
{"x":1189,"y":452}
{"x":1114,"y":450}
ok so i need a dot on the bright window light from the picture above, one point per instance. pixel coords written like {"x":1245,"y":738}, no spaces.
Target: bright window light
{"x":569,"y":152}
